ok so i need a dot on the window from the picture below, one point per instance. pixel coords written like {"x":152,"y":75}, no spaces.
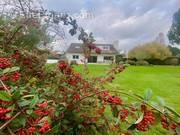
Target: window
{"x":75,"y":57}
{"x":92,"y":59}
{"x":106,"y":47}
{"x":108,"y":57}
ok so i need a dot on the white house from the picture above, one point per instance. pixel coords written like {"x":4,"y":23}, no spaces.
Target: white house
{"x":108,"y":54}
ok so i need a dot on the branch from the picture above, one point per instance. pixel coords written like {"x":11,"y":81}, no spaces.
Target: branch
{"x":8,"y":122}
{"x":5,"y":87}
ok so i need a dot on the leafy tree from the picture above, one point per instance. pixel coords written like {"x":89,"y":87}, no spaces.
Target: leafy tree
{"x":152,"y":50}
{"x":174,"y":32}
{"x":175,"y":51}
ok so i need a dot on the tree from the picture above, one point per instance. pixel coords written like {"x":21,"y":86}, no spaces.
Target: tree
{"x":175,"y":51}
{"x":152,"y":50}
{"x":174,"y":32}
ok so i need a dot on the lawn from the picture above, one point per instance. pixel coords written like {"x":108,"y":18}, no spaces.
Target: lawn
{"x":164,"y":81}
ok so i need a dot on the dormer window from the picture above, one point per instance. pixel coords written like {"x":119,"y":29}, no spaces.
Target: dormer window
{"x":106,"y":47}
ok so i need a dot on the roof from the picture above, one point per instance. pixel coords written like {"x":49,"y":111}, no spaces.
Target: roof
{"x":77,"y":48}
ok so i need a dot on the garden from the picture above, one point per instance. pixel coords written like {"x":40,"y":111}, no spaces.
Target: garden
{"x":63,"y":99}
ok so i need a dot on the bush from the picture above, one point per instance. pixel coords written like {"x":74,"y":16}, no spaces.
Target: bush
{"x":172,"y":61}
{"x":142,"y":63}
{"x":73,"y":62}
{"x":155,"y":61}
{"x":60,"y":101}
{"x":131,"y":62}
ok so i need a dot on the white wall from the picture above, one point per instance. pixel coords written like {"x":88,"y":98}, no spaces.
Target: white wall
{"x":69,"y":56}
{"x":100,"y":58}
{"x":51,"y":61}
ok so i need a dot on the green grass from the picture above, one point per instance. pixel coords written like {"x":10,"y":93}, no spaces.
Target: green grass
{"x":164,"y":81}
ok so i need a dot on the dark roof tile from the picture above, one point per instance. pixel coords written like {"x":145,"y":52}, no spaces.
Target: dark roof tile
{"x":77,"y":48}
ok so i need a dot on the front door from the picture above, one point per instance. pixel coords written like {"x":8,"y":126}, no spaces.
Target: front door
{"x":92,"y":59}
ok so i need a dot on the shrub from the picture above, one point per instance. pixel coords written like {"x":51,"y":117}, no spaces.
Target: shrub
{"x":73,"y":62}
{"x":155,"y":61}
{"x":131,"y":62}
{"x":172,"y":61}
{"x":142,"y":63}
{"x":152,"y":50}
{"x":58,"y":101}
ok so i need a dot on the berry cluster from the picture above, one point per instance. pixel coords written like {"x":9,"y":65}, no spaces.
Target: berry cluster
{"x":114,"y":100}
{"x":42,"y":109}
{"x":3,"y":113}
{"x":174,"y":126}
{"x":62,"y":65}
{"x":45,"y":127}
{"x":164,"y":122}
{"x":98,"y":50}
{"x":124,"y":114}
{"x":111,"y":99}
{"x":16,"y":76}
{"x":148,"y":120}
{"x":94,"y":47}
{"x":5,"y":63}
{"x":77,"y":96}
{"x":16,"y":55}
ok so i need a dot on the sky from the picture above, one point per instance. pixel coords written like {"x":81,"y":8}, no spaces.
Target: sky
{"x":131,"y":22}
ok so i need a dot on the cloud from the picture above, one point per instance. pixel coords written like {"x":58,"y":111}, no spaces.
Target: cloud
{"x":129,"y":21}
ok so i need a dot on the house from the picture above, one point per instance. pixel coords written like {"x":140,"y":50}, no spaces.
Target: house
{"x":107,"y":56}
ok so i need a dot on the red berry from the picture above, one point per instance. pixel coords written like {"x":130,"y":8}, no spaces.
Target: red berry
{"x":164,"y":123}
{"x":146,"y":122}
{"x":45,"y":127}
{"x":5,"y":63}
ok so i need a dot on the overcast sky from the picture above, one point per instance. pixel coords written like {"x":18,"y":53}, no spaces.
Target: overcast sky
{"x":129,"y":21}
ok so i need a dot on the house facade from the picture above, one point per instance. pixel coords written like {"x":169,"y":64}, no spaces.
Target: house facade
{"x":107,"y":56}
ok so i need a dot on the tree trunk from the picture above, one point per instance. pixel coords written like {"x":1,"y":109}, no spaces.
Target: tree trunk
{"x":86,"y":69}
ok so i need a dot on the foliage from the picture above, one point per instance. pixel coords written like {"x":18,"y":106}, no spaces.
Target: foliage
{"x":175,"y":51}
{"x":61,"y":101}
{"x":119,"y":58}
{"x":151,"y":50}
{"x":142,"y":62}
{"x":131,"y":62}
{"x":174,"y":32}
{"x":172,"y":61}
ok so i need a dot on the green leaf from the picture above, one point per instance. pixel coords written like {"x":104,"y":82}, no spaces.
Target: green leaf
{"x":140,"y":119}
{"x":16,"y":94}
{"x":24,"y":103}
{"x":178,"y":130}
{"x":30,"y":111}
{"x":34,"y":101}
{"x":5,"y":96}
{"x":9,"y":70}
{"x":19,"y":122}
{"x":148,"y":95}
{"x":54,"y":130}
{"x":161,"y":101}
{"x":133,"y":126}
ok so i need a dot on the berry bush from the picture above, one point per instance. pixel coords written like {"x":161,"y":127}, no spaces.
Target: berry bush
{"x":35,"y":101}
